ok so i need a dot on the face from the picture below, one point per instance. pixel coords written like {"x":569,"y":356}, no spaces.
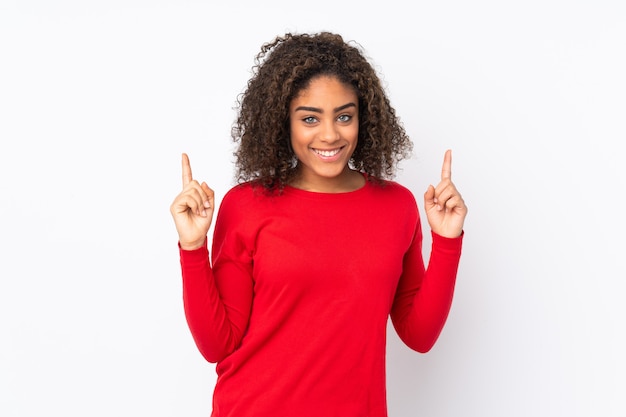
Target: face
{"x":324,"y":126}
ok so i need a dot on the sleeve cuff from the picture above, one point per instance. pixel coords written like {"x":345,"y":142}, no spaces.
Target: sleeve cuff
{"x":448,"y":244}
{"x":194,"y":255}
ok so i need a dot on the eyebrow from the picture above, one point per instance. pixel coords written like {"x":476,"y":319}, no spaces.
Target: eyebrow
{"x":318,"y":110}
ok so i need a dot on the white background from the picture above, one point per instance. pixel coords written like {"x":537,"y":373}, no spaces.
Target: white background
{"x":99,"y":98}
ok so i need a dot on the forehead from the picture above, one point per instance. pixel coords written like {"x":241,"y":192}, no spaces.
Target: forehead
{"x":326,"y":87}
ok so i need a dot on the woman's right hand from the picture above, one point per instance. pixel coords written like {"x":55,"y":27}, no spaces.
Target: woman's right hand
{"x":192,"y":210}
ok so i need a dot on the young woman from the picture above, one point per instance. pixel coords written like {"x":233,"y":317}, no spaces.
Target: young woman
{"x":315,"y":247}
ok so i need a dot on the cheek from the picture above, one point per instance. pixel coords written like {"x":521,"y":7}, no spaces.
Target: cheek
{"x":299,"y":137}
{"x":353,"y":134}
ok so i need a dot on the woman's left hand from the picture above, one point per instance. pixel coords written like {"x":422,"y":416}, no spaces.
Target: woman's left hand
{"x":444,"y":206}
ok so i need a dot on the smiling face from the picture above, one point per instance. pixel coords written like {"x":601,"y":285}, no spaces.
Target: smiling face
{"x":324,"y":127}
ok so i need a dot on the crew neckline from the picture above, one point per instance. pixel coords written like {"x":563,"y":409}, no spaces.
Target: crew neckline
{"x":326,"y":195}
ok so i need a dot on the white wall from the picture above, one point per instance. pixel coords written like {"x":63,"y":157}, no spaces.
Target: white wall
{"x":98,"y":99}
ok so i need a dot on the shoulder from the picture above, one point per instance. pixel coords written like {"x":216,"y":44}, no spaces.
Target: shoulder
{"x":238,"y":193}
{"x":392,"y":191}
{"x":233,"y":213}
{"x":242,"y":201}
{"x":245,"y":193}
{"x":393,"y":205}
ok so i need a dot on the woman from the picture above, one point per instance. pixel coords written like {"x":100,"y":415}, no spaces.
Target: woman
{"x":316,"y":247}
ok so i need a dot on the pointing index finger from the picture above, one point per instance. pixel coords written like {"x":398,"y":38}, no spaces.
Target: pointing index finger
{"x":187,"y":178}
{"x":446,"y":169}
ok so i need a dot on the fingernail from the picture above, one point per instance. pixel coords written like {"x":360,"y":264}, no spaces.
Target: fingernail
{"x":203,"y":213}
{"x":207,"y":204}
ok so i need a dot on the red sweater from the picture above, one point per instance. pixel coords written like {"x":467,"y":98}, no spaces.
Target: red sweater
{"x":294,"y":309}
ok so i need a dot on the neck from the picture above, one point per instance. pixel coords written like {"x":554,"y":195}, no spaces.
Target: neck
{"x":349,"y":180}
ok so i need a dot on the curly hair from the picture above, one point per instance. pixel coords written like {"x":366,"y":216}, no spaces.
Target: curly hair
{"x":282,"y":69}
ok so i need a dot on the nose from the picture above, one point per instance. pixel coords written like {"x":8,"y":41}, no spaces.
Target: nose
{"x":329,"y":132}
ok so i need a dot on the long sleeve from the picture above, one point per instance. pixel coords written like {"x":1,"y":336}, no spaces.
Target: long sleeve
{"x":424,"y":296}
{"x":218,"y":300}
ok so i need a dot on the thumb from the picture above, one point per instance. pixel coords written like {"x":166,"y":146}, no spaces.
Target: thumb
{"x":429,"y":197}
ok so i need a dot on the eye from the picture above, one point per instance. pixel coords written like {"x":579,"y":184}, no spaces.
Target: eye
{"x":344,"y":118}
{"x":309,"y":120}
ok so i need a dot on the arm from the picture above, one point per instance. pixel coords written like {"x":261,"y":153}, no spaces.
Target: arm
{"x":424,"y":296}
{"x":217,"y":311}
{"x":216,"y":314}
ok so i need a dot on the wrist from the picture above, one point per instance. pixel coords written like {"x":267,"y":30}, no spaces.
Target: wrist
{"x":193,"y":245}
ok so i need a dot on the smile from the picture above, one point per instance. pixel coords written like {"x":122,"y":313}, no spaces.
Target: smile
{"x":327,"y":153}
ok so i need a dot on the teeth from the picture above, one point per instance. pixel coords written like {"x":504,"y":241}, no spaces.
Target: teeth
{"x":327,"y":153}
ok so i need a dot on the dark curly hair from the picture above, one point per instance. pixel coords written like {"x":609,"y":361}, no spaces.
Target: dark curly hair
{"x":282,"y":69}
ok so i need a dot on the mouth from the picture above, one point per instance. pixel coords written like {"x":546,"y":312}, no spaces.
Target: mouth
{"x":327,"y":154}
